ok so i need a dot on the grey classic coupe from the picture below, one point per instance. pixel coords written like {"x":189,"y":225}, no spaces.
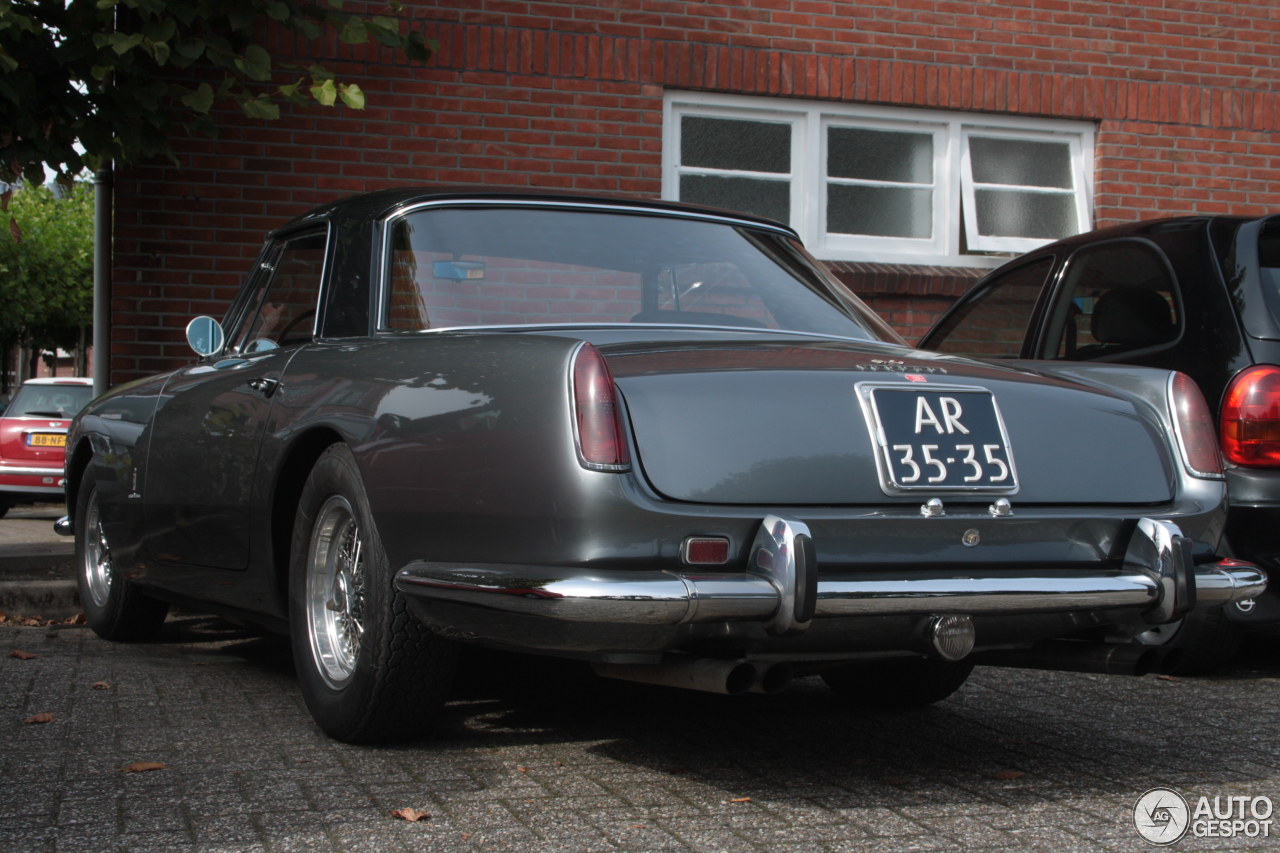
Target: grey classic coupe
{"x":654,"y":437}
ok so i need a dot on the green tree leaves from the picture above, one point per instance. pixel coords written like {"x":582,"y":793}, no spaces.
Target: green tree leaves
{"x":46,"y":289}
{"x":89,"y":72}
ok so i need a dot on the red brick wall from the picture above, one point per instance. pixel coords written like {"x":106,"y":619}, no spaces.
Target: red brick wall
{"x":569,"y":95}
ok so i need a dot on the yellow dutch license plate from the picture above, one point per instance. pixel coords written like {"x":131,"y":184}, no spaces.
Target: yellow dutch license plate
{"x":40,"y":439}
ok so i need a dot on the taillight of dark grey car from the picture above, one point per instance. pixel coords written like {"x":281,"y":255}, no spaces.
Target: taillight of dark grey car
{"x":1194,"y":422}
{"x":1251,"y":418}
{"x":601,"y":442}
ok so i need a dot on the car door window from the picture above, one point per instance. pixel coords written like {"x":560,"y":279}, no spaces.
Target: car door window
{"x":993,"y":322}
{"x":284,"y":308}
{"x":1115,"y":298}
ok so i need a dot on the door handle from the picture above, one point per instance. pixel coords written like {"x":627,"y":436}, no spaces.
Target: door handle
{"x":265,"y":384}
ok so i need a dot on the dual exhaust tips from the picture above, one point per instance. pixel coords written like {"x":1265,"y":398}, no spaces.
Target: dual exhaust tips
{"x":949,"y":638}
{"x":711,"y":675}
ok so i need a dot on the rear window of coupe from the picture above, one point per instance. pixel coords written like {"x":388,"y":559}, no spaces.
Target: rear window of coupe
{"x":479,"y":267}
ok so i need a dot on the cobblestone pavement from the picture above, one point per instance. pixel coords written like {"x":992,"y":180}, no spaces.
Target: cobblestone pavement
{"x":542,"y":756}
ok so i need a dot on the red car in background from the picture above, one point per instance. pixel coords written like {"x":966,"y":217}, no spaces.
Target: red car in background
{"x":33,"y":437}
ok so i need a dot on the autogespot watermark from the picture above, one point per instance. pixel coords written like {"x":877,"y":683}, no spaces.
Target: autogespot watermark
{"x":1163,"y":816}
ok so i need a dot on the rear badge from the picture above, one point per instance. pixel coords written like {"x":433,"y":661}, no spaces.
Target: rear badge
{"x":971,"y":537}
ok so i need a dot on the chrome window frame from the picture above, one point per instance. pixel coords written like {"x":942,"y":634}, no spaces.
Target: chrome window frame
{"x":262,"y":264}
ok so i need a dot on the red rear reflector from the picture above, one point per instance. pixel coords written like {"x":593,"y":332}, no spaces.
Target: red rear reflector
{"x":1195,"y":427}
{"x":706,"y":550}
{"x":601,"y":441}
{"x":1251,"y":417}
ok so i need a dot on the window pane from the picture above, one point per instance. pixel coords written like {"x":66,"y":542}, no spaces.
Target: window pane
{"x":879,"y":211}
{"x":491,"y":266}
{"x":748,"y":146}
{"x":994,"y":323}
{"x":878,"y":155}
{"x":1015,"y":213}
{"x":1020,"y":162}
{"x":1115,"y":298}
{"x":770,"y":199}
{"x":287,"y":313}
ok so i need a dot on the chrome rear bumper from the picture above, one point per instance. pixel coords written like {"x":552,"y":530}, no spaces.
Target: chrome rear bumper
{"x":784,"y":592}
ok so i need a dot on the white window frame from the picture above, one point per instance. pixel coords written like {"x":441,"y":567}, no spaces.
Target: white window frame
{"x":968,"y":188}
{"x":809,"y":123}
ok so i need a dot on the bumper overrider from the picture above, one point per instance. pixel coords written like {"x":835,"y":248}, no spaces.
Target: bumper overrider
{"x":782,"y":596}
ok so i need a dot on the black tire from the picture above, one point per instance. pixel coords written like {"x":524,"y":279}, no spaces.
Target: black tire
{"x":386,"y":684}
{"x":1202,"y":642}
{"x":4,"y":509}
{"x":114,"y":608}
{"x":898,"y":682}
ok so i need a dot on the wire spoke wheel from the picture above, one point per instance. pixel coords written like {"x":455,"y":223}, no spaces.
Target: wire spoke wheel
{"x":335,"y":590}
{"x":95,"y":561}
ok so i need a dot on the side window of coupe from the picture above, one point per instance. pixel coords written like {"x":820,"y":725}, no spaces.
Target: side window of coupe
{"x":1115,"y":298}
{"x":284,"y":306}
{"x":994,"y":321}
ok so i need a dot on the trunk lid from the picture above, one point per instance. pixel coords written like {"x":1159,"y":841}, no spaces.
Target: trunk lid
{"x":784,"y":424}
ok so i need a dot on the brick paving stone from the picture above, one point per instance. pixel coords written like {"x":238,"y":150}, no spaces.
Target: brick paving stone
{"x":608,"y":766}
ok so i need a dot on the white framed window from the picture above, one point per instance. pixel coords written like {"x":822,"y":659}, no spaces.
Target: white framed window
{"x":885,"y":184}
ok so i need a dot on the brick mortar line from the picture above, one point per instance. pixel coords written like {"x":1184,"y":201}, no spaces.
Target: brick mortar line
{"x":797,"y":74}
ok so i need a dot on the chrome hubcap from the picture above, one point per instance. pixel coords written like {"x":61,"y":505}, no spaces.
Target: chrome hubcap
{"x":95,"y":561}
{"x":335,"y":590}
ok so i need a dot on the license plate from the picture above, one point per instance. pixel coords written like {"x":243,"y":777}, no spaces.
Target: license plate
{"x":46,"y":439}
{"x":941,"y":439}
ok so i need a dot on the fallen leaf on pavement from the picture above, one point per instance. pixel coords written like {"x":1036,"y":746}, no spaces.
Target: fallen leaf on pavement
{"x":637,"y":826}
{"x":3,"y":617}
{"x":1167,"y":678}
{"x":21,"y":655}
{"x":31,"y":622}
{"x":523,"y":769}
{"x":465,"y":836}
{"x":46,"y":717}
{"x":893,"y":780}
{"x":100,"y":685}
{"x":411,"y":815}
{"x":78,"y":619}
{"x":1009,"y":774}
{"x":142,"y":767}
{"x":740,"y":800}
{"x":559,"y":764}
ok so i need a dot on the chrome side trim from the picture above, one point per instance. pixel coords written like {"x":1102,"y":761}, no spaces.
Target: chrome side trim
{"x":665,"y":598}
{"x":980,"y":596}
{"x":16,"y":471}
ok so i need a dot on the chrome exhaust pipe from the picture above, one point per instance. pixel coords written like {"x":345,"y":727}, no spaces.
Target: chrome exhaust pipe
{"x":1072,"y":656}
{"x":771,"y":678}
{"x":730,"y":677}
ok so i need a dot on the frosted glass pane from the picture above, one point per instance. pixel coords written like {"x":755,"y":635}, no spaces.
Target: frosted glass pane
{"x":748,"y":146}
{"x":1012,"y":213}
{"x":879,"y":155}
{"x":1019,"y":162}
{"x":879,"y":211}
{"x":771,"y":199}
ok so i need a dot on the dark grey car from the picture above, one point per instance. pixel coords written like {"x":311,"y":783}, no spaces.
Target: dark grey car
{"x":650,"y":436}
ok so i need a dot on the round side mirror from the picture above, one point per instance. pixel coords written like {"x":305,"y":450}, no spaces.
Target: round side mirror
{"x":205,"y":336}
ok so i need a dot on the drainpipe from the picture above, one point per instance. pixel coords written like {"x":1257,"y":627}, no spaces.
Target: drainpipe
{"x":102,"y":191}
